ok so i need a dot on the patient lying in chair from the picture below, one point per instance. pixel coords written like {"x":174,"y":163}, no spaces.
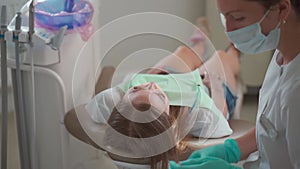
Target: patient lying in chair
{"x":180,"y":97}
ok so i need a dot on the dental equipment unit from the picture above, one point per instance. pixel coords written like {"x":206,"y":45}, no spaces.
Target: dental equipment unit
{"x":21,"y":36}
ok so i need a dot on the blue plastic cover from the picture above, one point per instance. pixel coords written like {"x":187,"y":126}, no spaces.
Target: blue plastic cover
{"x":54,"y":14}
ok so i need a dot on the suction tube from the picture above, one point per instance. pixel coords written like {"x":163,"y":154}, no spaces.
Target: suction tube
{"x":3,"y":29}
{"x":31,"y":21}
{"x":22,"y":127}
{"x":33,"y":144}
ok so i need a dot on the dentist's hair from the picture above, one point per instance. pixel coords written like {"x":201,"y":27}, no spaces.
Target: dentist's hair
{"x":296,"y":6}
{"x":267,"y":3}
{"x":270,"y":3}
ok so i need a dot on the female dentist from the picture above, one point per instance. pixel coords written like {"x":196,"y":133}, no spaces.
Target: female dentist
{"x":255,"y":26}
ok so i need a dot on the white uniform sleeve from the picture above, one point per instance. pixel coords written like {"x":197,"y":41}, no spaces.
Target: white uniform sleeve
{"x":101,"y":106}
{"x":209,"y":124}
{"x":290,"y":119}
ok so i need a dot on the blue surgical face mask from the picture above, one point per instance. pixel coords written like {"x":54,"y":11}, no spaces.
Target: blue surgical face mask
{"x":251,"y":40}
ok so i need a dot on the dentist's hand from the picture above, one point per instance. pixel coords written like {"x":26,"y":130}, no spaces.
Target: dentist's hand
{"x":214,"y":157}
{"x":229,"y":151}
{"x":203,"y":163}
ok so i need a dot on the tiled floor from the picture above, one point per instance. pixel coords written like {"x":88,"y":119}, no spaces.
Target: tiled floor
{"x":249,"y":108}
{"x":13,"y":151}
{"x":248,"y":113}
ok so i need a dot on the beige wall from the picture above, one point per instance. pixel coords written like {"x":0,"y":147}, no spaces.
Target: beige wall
{"x":110,"y":10}
{"x":253,"y":68}
{"x":113,"y":9}
{"x":218,"y":36}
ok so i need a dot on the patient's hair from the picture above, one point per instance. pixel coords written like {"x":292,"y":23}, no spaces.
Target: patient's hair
{"x":144,"y":130}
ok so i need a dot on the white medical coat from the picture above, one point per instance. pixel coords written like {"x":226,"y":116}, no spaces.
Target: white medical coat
{"x":279,"y":98}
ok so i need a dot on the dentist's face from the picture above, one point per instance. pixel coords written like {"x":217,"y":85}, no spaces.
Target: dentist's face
{"x":149,"y":93}
{"x":241,"y":13}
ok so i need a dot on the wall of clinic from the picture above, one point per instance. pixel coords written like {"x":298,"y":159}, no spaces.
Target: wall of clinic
{"x":111,"y":10}
{"x":189,"y":10}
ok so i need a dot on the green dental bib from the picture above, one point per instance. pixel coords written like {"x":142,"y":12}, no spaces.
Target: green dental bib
{"x":181,"y":89}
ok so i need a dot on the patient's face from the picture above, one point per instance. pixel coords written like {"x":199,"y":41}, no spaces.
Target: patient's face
{"x":149,"y":93}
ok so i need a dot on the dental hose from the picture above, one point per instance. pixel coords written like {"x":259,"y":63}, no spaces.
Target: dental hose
{"x":22,"y":128}
{"x":34,"y":150}
{"x":3,"y":29}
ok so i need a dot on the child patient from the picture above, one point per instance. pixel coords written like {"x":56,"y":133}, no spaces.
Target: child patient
{"x":187,"y":97}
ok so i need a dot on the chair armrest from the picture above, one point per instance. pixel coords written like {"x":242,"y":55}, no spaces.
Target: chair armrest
{"x":239,"y":127}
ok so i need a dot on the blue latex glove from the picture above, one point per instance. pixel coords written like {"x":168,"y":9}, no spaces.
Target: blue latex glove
{"x":229,"y":151}
{"x":203,"y":163}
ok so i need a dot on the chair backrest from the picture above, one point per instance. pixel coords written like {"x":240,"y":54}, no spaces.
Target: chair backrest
{"x":105,"y":78}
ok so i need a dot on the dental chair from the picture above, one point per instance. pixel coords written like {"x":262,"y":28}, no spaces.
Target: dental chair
{"x":238,"y":125}
{"x":76,"y":129}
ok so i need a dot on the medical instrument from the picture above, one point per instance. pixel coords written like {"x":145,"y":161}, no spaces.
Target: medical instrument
{"x":34,"y":151}
{"x":31,"y":20}
{"x":3,"y":29}
{"x":21,"y":123}
{"x":54,"y":42}
{"x":33,"y":34}
{"x":268,"y":125}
